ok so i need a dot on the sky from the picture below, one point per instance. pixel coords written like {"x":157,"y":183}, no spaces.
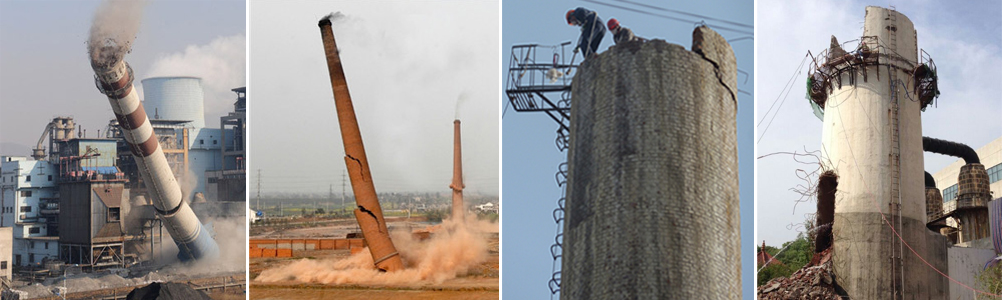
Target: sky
{"x":530,"y":157}
{"x":412,"y":68}
{"x":963,"y":38}
{"x":45,"y":71}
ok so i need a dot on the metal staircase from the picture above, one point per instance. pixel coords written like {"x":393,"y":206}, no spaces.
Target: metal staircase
{"x":545,"y":86}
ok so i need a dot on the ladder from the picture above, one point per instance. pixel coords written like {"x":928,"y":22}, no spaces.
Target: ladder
{"x":897,"y":248}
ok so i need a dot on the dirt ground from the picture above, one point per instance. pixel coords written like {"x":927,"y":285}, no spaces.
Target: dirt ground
{"x":482,"y":282}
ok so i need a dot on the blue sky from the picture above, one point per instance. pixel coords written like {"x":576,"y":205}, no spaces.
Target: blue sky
{"x":530,"y":158}
{"x":963,"y":38}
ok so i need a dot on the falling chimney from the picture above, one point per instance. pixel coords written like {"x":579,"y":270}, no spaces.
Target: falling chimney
{"x":457,"y":176}
{"x":369,"y":214}
{"x":114,"y":78}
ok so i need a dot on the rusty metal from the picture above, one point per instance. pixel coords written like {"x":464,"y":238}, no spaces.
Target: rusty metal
{"x":368,"y":213}
{"x":457,"y":176}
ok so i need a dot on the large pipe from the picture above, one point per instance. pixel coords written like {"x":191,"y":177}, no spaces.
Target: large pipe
{"x":950,"y":148}
{"x":457,"y":185}
{"x":369,"y":214}
{"x":930,"y":182}
{"x":114,"y":78}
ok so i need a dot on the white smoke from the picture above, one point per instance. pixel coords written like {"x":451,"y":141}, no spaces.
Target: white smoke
{"x":221,"y":64}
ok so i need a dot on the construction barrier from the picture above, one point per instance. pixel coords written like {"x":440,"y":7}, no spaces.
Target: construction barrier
{"x":287,"y":247}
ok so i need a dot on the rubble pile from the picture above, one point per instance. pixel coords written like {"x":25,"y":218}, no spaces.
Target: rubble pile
{"x":816,"y":281}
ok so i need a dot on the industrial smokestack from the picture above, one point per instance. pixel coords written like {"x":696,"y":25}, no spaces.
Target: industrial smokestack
{"x":114,"y":77}
{"x":457,"y":185}
{"x":369,"y":214}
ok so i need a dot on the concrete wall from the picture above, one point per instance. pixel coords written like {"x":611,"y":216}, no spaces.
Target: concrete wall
{"x":858,"y":144}
{"x":652,"y":193}
{"x":965,"y":265}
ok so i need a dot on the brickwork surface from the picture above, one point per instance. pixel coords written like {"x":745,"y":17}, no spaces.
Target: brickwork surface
{"x":652,"y":209}
{"x":285,"y":247}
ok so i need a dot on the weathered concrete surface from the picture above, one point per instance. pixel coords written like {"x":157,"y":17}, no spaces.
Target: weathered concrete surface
{"x":652,"y":209}
{"x":859,"y":144}
{"x":965,"y":265}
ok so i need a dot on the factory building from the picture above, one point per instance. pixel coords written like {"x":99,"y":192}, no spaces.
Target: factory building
{"x":30,"y":201}
{"x":92,"y":192}
{"x":6,"y":256}
{"x":229,"y":183}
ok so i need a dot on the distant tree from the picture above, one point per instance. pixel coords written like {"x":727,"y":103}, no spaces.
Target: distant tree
{"x":319,"y":211}
{"x":796,"y":255}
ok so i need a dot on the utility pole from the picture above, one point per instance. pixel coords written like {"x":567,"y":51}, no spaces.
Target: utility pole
{"x":343,"y":174}
{"x":258,"y":189}
{"x":330,"y":198}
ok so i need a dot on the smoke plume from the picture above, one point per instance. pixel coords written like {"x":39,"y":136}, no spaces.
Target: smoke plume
{"x":115,"y":25}
{"x":453,"y":250}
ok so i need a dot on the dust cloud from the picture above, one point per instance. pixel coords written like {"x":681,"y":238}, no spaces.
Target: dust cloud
{"x":454,"y":249}
{"x":115,"y":25}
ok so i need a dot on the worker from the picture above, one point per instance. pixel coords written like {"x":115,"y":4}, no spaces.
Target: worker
{"x":620,"y":34}
{"x":592,"y":30}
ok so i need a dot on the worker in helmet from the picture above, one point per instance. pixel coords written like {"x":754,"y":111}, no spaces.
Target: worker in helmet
{"x":592,"y":30}
{"x":620,"y":34}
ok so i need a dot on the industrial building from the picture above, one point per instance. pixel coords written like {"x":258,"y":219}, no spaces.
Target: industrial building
{"x":6,"y":256}
{"x":81,"y":200}
{"x":30,"y":202}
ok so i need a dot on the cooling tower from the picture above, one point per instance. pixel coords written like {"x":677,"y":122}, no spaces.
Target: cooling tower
{"x":175,"y":98}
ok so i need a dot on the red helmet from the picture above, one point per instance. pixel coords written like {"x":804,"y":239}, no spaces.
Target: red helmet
{"x":570,"y":21}
{"x":613,"y":24}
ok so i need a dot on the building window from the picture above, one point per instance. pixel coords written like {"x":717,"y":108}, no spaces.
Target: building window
{"x":34,"y":230}
{"x":950,"y":193}
{"x":214,"y":142}
{"x":201,"y":142}
{"x":27,"y":178}
{"x":31,"y":257}
{"x":995,"y":173}
{"x":114,"y":214}
{"x":46,"y":245}
{"x":3,"y":265}
{"x":25,"y":209}
{"x":50,"y":177}
{"x":31,"y":245}
{"x":25,"y":193}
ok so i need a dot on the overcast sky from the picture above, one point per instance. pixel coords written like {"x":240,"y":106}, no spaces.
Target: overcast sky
{"x":45,"y":71}
{"x":963,"y":38}
{"x":407,"y":65}
{"x":531,"y":157}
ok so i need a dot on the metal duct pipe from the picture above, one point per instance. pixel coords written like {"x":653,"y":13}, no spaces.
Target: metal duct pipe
{"x":950,"y":148}
{"x":38,"y":153}
{"x":369,"y":214}
{"x":114,"y":79}
{"x":930,"y":182}
{"x":457,"y":185}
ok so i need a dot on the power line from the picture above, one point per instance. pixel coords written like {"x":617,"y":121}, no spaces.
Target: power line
{"x":688,"y":14}
{"x":742,"y":31}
